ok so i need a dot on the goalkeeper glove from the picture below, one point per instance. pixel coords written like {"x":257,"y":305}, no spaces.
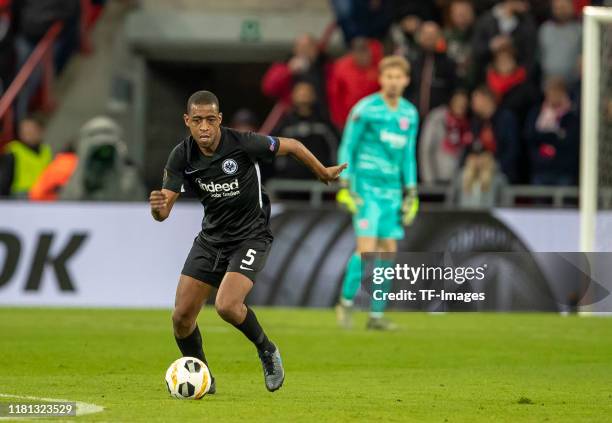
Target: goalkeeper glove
{"x":410,"y":206}
{"x":348,"y":200}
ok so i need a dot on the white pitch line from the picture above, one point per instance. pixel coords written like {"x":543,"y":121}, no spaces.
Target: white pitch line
{"x":82,"y":408}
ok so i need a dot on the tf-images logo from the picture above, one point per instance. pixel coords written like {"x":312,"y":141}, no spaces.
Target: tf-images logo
{"x":229,"y":166}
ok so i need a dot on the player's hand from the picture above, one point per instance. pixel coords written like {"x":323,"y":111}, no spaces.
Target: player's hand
{"x":332,"y":173}
{"x":158,"y":201}
{"x":348,"y":200}
{"x":410,"y":206}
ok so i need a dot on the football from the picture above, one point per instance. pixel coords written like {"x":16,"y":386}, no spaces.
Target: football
{"x":188,"y":378}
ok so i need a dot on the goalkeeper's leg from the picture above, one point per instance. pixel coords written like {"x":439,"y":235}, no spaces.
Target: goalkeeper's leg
{"x":352,"y":281}
{"x":376,"y":320}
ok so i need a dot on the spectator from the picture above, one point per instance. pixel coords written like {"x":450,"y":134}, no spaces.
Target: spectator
{"x":494,"y":132}
{"x":363,"y":18}
{"x":55,"y":176}
{"x":404,"y":36}
{"x":553,"y":136}
{"x":103,"y":172}
{"x":305,"y":124}
{"x":410,"y":14}
{"x":353,"y":76}
{"x":560,"y":42}
{"x":307,"y":62}
{"x":433,"y":73}
{"x":423,"y":10}
{"x":445,"y":134}
{"x":244,"y":120}
{"x":33,"y":19}
{"x":509,"y":82}
{"x":458,"y":35}
{"x":507,"y":24}
{"x":481,"y":183}
{"x":26,"y":158}
{"x":7,"y":52}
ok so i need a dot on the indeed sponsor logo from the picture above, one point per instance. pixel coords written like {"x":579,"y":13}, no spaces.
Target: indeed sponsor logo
{"x":213,"y":187}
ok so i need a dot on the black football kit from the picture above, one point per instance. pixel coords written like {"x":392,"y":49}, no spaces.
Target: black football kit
{"x":235,"y":235}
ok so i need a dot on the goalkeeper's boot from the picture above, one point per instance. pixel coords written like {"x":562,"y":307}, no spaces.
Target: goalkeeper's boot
{"x":344,"y":315}
{"x":380,"y":323}
{"x":272,"y":365}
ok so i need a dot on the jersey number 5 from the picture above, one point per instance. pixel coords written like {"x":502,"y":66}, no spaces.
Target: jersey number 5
{"x":250,"y":257}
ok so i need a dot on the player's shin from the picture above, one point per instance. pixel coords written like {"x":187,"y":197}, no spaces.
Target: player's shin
{"x":379,"y":302}
{"x":352,"y":280}
{"x":251,"y":328}
{"x":191,"y":345}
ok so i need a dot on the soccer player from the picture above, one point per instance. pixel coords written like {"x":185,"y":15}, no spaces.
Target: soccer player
{"x":221,"y":166}
{"x":379,"y":142}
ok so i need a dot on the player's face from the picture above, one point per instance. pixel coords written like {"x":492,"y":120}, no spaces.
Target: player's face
{"x":393,"y":81}
{"x":204,"y":123}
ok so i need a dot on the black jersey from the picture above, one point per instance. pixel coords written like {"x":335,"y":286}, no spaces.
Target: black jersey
{"x":228,"y":184}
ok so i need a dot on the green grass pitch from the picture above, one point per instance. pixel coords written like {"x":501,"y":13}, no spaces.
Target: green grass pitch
{"x":440,"y":368}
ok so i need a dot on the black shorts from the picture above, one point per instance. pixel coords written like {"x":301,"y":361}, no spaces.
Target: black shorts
{"x":209,"y":264}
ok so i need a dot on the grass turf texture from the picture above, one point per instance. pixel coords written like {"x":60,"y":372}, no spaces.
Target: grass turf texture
{"x":443,"y":368}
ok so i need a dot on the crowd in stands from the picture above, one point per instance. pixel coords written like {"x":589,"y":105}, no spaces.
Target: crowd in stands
{"x":93,"y":167}
{"x":23,"y":24}
{"x":496,"y":83}
{"x":85,"y":169}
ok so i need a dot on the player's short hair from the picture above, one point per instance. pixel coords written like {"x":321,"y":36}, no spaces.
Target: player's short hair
{"x":394,"y":62}
{"x":202,"y":97}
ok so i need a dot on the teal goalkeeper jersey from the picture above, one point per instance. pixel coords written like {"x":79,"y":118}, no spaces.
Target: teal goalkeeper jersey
{"x":379,"y":142}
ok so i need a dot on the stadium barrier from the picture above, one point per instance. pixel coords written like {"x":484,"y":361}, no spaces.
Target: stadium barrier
{"x":512,"y":195}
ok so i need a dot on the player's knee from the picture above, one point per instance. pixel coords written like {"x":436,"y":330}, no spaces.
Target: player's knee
{"x":227,"y":309}
{"x":365,"y":245}
{"x":182,"y":320}
{"x":387,"y":246}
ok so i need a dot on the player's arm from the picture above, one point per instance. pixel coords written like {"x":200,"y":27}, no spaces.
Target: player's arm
{"x":294,"y":148}
{"x":353,"y":133}
{"x":161,"y":203}
{"x":410,"y":206}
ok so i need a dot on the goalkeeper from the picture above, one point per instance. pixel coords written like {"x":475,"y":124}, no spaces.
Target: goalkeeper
{"x":379,"y":186}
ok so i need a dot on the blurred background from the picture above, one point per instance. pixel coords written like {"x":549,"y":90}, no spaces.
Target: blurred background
{"x":91,"y":101}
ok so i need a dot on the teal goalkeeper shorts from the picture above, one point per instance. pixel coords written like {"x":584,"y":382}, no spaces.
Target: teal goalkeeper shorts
{"x":379,"y":216}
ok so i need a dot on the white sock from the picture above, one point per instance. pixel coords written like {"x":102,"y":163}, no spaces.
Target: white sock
{"x":376,"y":314}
